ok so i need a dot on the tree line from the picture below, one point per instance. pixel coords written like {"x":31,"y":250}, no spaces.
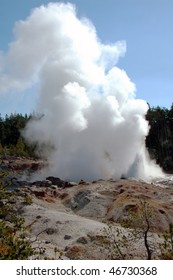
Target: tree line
{"x":11,"y":141}
{"x":160,"y":138}
{"x":159,"y":141}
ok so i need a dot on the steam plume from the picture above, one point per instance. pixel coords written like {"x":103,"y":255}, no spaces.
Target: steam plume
{"x":92,"y":121}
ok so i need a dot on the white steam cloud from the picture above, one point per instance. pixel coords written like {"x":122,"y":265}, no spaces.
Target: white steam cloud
{"x":91,"y":117}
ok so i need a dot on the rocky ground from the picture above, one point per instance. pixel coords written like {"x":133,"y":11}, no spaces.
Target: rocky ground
{"x":77,"y":217}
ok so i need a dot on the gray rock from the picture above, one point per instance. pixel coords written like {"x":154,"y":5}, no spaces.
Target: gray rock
{"x":45,"y":183}
{"x":67,"y":237}
{"x":56,"y":181}
{"x":82,"y":240}
{"x":50,"y":231}
{"x":80,"y":200}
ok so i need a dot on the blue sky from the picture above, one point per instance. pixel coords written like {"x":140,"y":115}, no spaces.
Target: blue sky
{"x":145,"y":25}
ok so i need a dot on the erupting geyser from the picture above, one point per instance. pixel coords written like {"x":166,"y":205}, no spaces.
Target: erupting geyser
{"x":92,"y":121}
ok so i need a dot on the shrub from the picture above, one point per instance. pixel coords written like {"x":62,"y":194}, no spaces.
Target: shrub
{"x":14,"y":235}
{"x":166,"y":247}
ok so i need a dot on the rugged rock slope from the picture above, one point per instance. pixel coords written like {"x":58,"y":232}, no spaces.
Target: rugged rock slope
{"x":75,"y":216}
{"x":72,"y":216}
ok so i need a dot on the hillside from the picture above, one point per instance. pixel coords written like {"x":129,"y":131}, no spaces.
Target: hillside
{"x":78,"y":217}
